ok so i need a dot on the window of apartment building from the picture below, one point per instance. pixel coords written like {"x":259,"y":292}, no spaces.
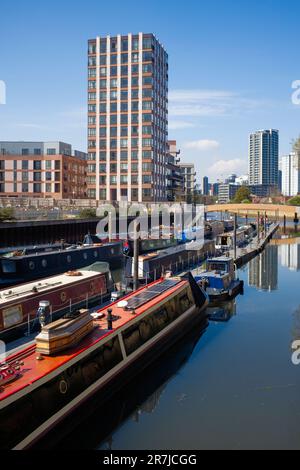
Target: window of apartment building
{"x":103,"y":83}
{"x":103,"y":60}
{"x":124,"y":143}
{"x":147,"y":179}
{"x":113,"y":83}
{"x":146,"y":192}
{"x":102,"y":194}
{"x":92,"y":61}
{"x":15,"y":164}
{"x":2,"y":187}
{"x":37,"y":152}
{"x":124,"y":155}
{"x":147,"y":56}
{"x":124,"y":131}
{"x":113,"y":95}
{"x":92,"y":84}
{"x":91,"y":179}
{"x":24,"y":187}
{"x":2,"y":175}
{"x":37,"y":176}
{"x":147,"y":142}
{"x":2,"y":164}
{"x":124,"y":82}
{"x":147,"y":167}
{"x":147,"y":117}
{"x":102,"y":156}
{"x":91,"y":193}
{"x":57,"y":176}
{"x":102,"y":120}
{"x":134,"y":81}
{"x":37,"y":187}
{"x":113,"y":179}
{"x":57,"y":188}
{"x":134,"y":155}
{"x":92,"y":132}
{"x":124,"y":95}
{"x":124,"y":70}
{"x":134,"y":118}
{"x":134,"y":142}
{"x":124,"y":118}
{"x":124,"y":58}
{"x":113,"y":156}
{"x":113,"y":168}
{"x":113,"y":45}
{"x":57,"y":164}
{"x":102,"y":131}
{"x":147,"y":80}
{"x":103,"y":71}
{"x":135,"y":57}
{"x":51,"y":151}
{"x":147,"y":43}
{"x":135,"y":106}
{"x":92,"y":73}
{"x":147,"y":93}
{"x":102,"y":179}
{"x":124,"y":45}
{"x":48,"y":175}
{"x":113,"y":143}
{"x":123,"y":179}
{"x":103,"y":45}
{"x":124,"y":107}
{"x":113,"y":131}
{"x":134,"y":194}
{"x":113,"y":107}
{"x":134,"y":167}
{"x":92,"y":120}
{"x":134,"y":130}
{"x":114,"y":119}
{"x":24,"y":164}
{"x":124,"y":167}
{"x":147,"y":129}
{"x":92,"y":108}
{"x":134,"y":94}
{"x":134,"y":179}
{"x":48,"y":164}
{"x":102,"y":167}
{"x":37,"y":165}
{"x":113,"y":71}
{"x":25,"y":176}
{"x":103,"y":95}
{"x":113,"y":59}
{"x":134,"y":69}
{"x":102,"y":108}
{"x":135,"y":44}
{"x":147,"y":105}
{"x":25,"y":151}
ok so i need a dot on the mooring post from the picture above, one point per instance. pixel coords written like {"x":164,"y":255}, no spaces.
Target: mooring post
{"x":284,"y":224}
{"x":136,"y":258}
{"x":234,"y":235}
{"x":258,"y":228}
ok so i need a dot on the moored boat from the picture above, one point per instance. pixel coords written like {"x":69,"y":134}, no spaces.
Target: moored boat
{"x":219,"y":280}
{"x":71,"y":290}
{"x":126,"y":335}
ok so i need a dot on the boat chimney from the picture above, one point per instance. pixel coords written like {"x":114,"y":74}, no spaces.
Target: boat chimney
{"x":109,"y":319}
{"x":43,"y":312}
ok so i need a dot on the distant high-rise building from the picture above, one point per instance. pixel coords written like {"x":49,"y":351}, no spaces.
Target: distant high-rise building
{"x":290,"y":174}
{"x":231,"y":179}
{"x":263,"y":158}
{"x":127,"y":118}
{"x":205,"y":187}
{"x":189,"y":178}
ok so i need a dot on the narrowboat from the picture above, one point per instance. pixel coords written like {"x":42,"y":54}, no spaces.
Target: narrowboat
{"x":18,"y":267}
{"x":181,"y":258}
{"x":76,"y":357}
{"x":244,"y":234}
{"x":73,"y":289}
{"x":219,"y":280}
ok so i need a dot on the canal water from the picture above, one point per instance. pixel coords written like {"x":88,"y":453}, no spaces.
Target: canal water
{"x":231,"y":385}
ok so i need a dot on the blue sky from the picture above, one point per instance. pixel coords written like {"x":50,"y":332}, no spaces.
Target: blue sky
{"x":232,"y":65}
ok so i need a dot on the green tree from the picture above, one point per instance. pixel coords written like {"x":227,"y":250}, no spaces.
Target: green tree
{"x":295,"y":201}
{"x":243,"y":194}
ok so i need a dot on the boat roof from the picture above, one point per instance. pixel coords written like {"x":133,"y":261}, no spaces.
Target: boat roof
{"x":24,"y":291}
{"x":32,"y":369}
{"x":221,"y":259}
{"x":12,"y":255}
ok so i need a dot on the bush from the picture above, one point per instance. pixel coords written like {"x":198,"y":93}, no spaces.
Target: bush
{"x":87,"y":214}
{"x":295,"y":201}
{"x":242,"y":194}
{"x":6,"y":213}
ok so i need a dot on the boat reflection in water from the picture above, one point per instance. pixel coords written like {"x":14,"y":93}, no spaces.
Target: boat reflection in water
{"x":134,"y":399}
{"x":223,"y":312}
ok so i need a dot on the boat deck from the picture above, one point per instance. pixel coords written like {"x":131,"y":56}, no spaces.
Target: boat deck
{"x":33,"y":369}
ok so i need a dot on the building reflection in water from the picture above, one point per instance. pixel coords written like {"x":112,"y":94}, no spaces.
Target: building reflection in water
{"x":263,"y":270}
{"x":290,"y":256}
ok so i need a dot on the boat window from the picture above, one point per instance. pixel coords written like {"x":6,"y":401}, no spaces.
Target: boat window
{"x":44,"y":263}
{"x":9,"y":266}
{"x":31,"y":265}
{"x":12,"y":316}
{"x":217,"y":267}
{"x":69,"y":259}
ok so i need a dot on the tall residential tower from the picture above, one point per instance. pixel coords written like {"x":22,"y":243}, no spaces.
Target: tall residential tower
{"x":263,"y":158}
{"x":127,"y":118}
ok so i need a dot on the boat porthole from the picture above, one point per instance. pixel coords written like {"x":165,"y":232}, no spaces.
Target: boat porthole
{"x":44,"y":263}
{"x":69,"y":259}
{"x":85,"y":255}
{"x":112,"y":251}
{"x":63,"y":387}
{"x":63,"y":296}
{"x":95,"y":254}
{"x":31,"y":265}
